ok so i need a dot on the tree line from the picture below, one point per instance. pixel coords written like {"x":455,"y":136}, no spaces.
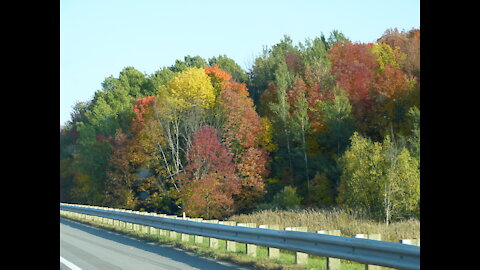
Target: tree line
{"x":327,"y":122}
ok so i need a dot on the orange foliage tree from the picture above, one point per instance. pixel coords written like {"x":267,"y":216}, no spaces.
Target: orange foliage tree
{"x":142,"y":106}
{"x":245,"y":133}
{"x":217,"y":77}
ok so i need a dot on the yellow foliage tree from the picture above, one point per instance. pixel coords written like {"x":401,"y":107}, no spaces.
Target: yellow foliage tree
{"x":386,"y":55}
{"x":192,"y":88}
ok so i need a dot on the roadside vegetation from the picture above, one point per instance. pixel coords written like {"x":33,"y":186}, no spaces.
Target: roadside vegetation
{"x":334,"y":219}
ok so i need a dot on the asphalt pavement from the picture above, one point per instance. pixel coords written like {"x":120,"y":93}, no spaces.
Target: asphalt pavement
{"x":86,"y":247}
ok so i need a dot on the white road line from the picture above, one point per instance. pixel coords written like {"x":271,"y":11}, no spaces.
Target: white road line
{"x":69,"y":264}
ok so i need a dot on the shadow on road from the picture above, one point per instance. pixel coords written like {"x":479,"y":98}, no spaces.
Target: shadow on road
{"x":164,"y":251}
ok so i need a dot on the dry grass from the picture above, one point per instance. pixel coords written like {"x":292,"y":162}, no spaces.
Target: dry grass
{"x":334,"y":219}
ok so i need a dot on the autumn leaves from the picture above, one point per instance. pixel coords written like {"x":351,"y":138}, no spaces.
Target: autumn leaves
{"x":210,"y":141}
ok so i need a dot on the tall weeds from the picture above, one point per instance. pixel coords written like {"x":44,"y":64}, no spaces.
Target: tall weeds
{"x":333,"y":219}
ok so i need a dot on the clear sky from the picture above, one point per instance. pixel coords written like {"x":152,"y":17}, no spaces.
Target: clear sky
{"x":100,"y":38}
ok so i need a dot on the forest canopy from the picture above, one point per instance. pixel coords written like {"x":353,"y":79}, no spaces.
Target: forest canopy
{"x":327,"y":122}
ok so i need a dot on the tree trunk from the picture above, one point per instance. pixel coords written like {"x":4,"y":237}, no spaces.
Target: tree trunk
{"x":306,"y":161}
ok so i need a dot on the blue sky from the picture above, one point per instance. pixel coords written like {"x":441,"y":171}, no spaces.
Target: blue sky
{"x":100,"y":38}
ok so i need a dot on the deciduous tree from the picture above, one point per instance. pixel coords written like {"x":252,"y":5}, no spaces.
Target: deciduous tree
{"x":118,"y":187}
{"x":209,"y":181}
{"x":381,"y":179}
{"x":192,"y":87}
{"x":247,"y":136}
{"x":354,"y":66}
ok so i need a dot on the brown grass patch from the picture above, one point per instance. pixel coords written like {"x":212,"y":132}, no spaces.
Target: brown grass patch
{"x":334,"y":219}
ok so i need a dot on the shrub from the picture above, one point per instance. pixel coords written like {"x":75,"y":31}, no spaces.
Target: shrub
{"x":287,"y":198}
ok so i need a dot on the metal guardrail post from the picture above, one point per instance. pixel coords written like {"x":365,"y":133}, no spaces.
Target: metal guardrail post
{"x":251,"y":249}
{"x":212,"y":242}
{"x":300,"y":257}
{"x":231,"y":245}
{"x":371,"y":236}
{"x":273,"y":253}
{"x":332,"y":263}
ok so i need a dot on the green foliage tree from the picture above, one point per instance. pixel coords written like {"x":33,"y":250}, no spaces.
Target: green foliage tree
{"x":265,"y":67}
{"x":230,"y":66}
{"x":338,"y":119}
{"x":135,"y":82}
{"x":68,"y":136}
{"x":300,"y":121}
{"x":316,"y":63}
{"x":333,"y":139}
{"x":188,"y":62}
{"x":322,"y":190}
{"x":159,"y":79}
{"x":335,"y":36}
{"x":281,"y":112}
{"x":401,"y":193}
{"x":414,"y":139}
{"x":380,"y":179}
{"x":96,"y":123}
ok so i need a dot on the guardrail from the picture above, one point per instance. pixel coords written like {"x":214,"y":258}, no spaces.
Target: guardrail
{"x":366,"y":251}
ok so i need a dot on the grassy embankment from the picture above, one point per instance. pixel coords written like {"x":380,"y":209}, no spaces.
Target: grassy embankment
{"x":312,"y":219}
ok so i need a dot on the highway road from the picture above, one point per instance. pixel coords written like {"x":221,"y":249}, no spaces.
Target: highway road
{"x":86,"y":247}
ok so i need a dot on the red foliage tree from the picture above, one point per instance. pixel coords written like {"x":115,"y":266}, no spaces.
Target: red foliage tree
{"x":209,"y":181}
{"x":354,"y":66}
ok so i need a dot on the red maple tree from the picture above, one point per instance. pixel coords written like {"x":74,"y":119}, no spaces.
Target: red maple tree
{"x":209,"y":181}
